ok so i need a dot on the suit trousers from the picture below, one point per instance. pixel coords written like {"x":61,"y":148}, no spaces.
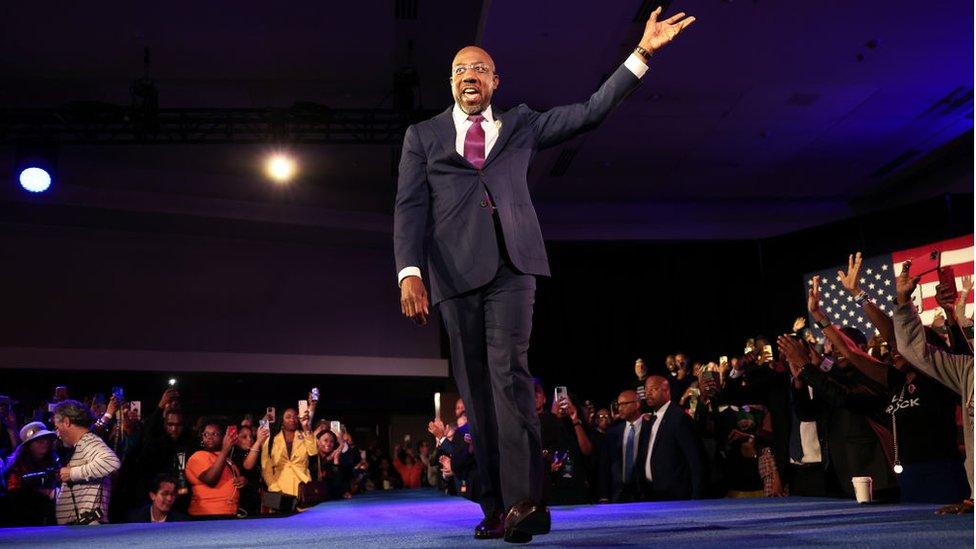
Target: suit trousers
{"x":489,"y":331}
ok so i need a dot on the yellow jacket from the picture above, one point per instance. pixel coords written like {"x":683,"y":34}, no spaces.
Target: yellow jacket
{"x":281,"y":472}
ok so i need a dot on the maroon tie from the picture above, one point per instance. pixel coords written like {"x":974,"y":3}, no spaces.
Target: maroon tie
{"x":474,"y":142}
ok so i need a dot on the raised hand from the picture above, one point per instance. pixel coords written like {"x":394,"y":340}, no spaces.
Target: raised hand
{"x":795,"y":352}
{"x":113,"y":406}
{"x":905,"y":284}
{"x":657,"y":34}
{"x":813,"y":296}
{"x":170,"y":396}
{"x":264,"y":433}
{"x":436,"y":428}
{"x":413,"y":300}
{"x":967,"y":283}
{"x":849,"y":279}
{"x":230,"y":439}
{"x":799,"y":323}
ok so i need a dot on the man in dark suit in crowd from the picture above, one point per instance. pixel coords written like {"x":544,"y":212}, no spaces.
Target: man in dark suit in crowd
{"x":669,"y":458}
{"x":464,"y":211}
{"x":618,"y":455}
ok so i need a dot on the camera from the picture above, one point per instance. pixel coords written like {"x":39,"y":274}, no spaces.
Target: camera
{"x":88,"y":517}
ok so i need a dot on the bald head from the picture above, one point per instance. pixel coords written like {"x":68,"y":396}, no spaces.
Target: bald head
{"x":473,"y":79}
{"x":657,"y":391}
{"x":628,"y":405}
{"x":464,"y":54}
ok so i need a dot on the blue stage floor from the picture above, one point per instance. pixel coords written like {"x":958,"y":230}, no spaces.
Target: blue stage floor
{"x":426,"y":519}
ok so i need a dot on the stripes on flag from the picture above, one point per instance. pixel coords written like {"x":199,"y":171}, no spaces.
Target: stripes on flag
{"x":957,"y":252}
{"x":877,"y":278}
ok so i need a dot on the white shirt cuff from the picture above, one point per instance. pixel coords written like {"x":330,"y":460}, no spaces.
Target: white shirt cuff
{"x":408,"y":271}
{"x":636,"y":65}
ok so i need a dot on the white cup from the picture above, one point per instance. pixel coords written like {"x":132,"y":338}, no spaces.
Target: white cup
{"x":863,"y":489}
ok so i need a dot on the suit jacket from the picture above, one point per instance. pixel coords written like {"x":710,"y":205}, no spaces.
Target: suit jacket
{"x":676,"y":459}
{"x":283,"y":472}
{"x":857,"y":440}
{"x":442,"y":219}
{"x":611,"y":468}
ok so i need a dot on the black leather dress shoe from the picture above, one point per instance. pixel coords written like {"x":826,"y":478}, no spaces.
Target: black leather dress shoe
{"x":526,"y":519}
{"x":490,"y":527}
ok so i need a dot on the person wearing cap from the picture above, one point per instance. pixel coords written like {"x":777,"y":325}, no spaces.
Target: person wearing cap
{"x":31,"y":476}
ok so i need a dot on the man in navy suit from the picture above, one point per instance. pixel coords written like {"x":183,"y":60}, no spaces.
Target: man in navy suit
{"x":464,"y":212}
{"x":618,"y":471}
{"x":669,"y":458}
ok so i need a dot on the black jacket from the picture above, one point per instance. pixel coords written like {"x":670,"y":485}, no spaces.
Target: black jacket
{"x":850,"y":407}
{"x":676,"y":459}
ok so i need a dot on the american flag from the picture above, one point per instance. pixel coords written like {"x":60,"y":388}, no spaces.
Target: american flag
{"x":877,"y":278}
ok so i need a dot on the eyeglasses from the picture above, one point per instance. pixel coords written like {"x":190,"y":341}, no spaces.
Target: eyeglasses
{"x":208,"y":434}
{"x":480,"y":68}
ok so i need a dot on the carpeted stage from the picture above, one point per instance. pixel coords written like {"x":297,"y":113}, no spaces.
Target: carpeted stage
{"x":426,"y":519}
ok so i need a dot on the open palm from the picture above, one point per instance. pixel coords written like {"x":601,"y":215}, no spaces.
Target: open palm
{"x":659,"y":33}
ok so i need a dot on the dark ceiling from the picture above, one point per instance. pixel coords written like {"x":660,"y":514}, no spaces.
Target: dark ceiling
{"x":765,"y":117}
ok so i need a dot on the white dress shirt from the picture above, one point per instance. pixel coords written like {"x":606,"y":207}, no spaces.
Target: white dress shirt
{"x":634,"y":62}
{"x":650,"y":443}
{"x":809,"y":440}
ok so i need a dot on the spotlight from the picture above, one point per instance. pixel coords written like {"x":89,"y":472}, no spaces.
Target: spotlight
{"x":34,"y":168}
{"x":280,"y":168}
{"x":35,"y":180}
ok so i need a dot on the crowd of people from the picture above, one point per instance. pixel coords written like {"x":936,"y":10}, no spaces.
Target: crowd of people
{"x":80,"y":463}
{"x":791,"y":415}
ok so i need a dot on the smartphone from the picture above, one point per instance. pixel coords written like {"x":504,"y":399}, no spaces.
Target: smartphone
{"x":118,"y":393}
{"x":767,"y":353}
{"x":172,"y":382}
{"x":723,"y":361}
{"x":232,"y":430}
{"x":135,"y":407}
{"x":264,"y":423}
{"x":406,"y":439}
{"x":926,"y":263}
{"x":51,"y":406}
{"x":302,"y":408}
{"x":947,"y":276}
{"x":437,"y":405}
{"x":560,"y":392}
{"x":335,"y":427}
{"x":270,"y":414}
{"x":747,"y":350}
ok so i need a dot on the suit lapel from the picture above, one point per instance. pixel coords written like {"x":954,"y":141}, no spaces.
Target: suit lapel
{"x":661,"y":424}
{"x":447,"y":135}
{"x":507,"y":126}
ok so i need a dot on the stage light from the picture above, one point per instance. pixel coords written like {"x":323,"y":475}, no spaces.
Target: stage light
{"x":35,"y":180}
{"x":35,"y":166}
{"x":280,"y":168}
